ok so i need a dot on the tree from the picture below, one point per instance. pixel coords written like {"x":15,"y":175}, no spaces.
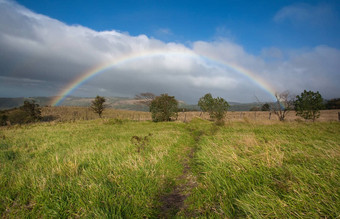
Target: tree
{"x":163,"y":108}
{"x":98,"y":106}
{"x":265,"y":107}
{"x":308,"y":105}
{"x":216,"y":107}
{"x":27,"y":113}
{"x":284,"y":103}
{"x":32,"y":110}
{"x":206,"y":103}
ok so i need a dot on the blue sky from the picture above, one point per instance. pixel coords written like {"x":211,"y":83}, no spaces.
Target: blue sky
{"x":250,"y":23}
{"x":284,"y":45}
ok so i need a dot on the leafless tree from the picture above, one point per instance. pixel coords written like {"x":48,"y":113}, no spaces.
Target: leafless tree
{"x":145,"y":98}
{"x":284,"y":103}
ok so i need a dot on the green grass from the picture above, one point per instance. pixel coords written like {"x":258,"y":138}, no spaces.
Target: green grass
{"x":276,"y":171}
{"x":93,"y":169}
{"x":87,"y":169}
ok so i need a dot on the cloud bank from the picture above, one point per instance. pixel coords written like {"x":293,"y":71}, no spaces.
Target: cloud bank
{"x":40,"y":56}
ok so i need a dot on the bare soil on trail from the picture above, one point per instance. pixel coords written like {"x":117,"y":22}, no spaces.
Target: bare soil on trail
{"x":173,"y":203}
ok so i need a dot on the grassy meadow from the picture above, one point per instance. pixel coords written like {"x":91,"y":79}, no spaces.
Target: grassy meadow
{"x":134,"y":169}
{"x":278,"y":170}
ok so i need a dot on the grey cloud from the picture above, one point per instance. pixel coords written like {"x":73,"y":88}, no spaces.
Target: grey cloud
{"x":271,"y":53}
{"x":316,"y":69}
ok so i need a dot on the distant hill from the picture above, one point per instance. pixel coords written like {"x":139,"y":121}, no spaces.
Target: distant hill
{"x":113,"y":102}
{"x":9,"y":103}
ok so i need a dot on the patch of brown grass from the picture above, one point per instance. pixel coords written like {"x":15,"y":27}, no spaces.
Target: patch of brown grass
{"x":67,"y":113}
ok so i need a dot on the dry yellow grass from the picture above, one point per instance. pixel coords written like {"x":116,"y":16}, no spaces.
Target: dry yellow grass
{"x":326,"y":115}
{"x":66,"y":113}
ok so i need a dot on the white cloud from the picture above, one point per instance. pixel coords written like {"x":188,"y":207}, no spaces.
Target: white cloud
{"x":40,"y":56}
{"x":271,"y":53}
{"x":305,"y":14}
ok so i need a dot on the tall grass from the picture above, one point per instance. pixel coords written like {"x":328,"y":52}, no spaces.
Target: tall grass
{"x":67,"y":113}
{"x":96,"y":168}
{"x":87,"y":169}
{"x":277,"y":171}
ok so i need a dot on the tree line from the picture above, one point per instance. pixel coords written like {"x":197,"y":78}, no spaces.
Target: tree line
{"x":165,"y":107}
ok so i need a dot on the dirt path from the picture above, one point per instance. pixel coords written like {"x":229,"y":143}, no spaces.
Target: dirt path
{"x":173,"y":203}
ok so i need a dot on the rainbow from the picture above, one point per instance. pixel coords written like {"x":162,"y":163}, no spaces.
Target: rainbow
{"x":76,"y":83}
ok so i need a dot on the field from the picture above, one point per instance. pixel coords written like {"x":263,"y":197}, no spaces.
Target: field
{"x":84,"y":113}
{"x":123,"y":166}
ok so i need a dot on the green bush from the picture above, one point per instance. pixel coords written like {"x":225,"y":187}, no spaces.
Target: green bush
{"x":27,"y":113}
{"x":265,"y":107}
{"x":308,"y":105}
{"x":32,"y":110}
{"x":3,"y":119}
{"x":164,"y":108}
{"x":216,"y":107}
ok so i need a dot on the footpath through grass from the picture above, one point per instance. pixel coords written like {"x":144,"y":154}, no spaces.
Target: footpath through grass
{"x":94,"y":169}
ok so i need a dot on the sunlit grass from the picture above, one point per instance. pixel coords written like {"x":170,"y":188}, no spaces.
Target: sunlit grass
{"x":243,"y":169}
{"x":87,"y":168}
{"x":280,"y":170}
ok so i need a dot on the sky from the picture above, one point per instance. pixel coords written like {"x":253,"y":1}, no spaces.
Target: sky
{"x":243,"y":51}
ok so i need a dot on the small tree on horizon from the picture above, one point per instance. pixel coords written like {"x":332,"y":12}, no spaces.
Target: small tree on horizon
{"x":216,"y":107}
{"x":206,"y":103}
{"x":265,"y":107}
{"x":284,"y":104}
{"x":308,"y":105}
{"x":163,"y":108}
{"x":32,"y":109}
{"x":97,"y":105}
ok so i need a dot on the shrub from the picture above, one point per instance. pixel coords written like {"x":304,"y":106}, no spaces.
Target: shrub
{"x":308,"y":105}
{"x":3,"y":119}
{"x":27,"y":113}
{"x":32,"y":110}
{"x":265,"y":107}
{"x":216,"y":107}
{"x":164,"y":108}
